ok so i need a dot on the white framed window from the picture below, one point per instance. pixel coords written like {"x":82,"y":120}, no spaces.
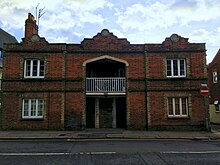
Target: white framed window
{"x":216,"y":104}
{"x":176,"y":68}
{"x":34,"y":68}
{"x":178,"y":107}
{"x":32,"y":108}
{"x":215,"y":77}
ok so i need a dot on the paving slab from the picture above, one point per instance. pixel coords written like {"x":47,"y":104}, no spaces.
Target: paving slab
{"x":109,"y":134}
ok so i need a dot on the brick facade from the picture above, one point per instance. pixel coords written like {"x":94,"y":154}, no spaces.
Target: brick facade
{"x":214,"y":88}
{"x":67,"y":104}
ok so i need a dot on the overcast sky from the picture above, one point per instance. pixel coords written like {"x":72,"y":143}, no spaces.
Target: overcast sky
{"x":140,"y":21}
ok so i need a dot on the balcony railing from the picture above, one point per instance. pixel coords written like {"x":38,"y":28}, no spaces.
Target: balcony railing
{"x":105,"y":85}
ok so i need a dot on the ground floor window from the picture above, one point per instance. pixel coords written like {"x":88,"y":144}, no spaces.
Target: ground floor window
{"x":216,"y":104}
{"x":32,"y":108}
{"x":178,"y":107}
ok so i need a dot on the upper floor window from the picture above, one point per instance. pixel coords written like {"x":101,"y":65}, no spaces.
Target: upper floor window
{"x":34,"y":68}
{"x":215,"y":77}
{"x":32,"y":108}
{"x":176,"y":68}
{"x":178,"y":107}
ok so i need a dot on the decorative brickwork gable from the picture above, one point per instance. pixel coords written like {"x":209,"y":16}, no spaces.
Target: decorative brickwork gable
{"x":105,"y":41}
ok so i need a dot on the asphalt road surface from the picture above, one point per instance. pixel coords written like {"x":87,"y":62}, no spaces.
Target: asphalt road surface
{"x":110,"y":152}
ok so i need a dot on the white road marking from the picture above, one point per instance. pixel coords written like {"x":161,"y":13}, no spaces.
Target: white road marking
{"x":102,"y":153}
{"x":56,"y":154}
{"x":189,"y":152}
{"x":33,"y":154}
{"x":96,"y":153}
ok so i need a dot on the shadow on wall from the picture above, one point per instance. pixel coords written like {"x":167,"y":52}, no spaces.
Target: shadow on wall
{"x":73,"y":121}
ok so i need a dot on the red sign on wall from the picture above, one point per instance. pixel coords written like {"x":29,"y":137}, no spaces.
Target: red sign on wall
{"x":204,"y":90}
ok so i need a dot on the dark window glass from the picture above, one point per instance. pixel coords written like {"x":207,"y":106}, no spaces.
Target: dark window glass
{"x":169,"y":71}
{"x":35,"y":63}
{"x":28,"y":67}
{"x":175,"y":67}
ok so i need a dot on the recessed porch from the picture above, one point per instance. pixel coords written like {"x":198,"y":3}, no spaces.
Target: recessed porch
{"x":105,"y":86}
{"x":105,"y":76}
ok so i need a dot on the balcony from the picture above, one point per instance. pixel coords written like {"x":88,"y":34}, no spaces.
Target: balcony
{"x":105,"y":85}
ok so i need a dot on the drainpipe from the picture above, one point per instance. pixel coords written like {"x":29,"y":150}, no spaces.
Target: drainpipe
{"x":128,"y":125}
{"x":64,"y":52}
{"x":84,"y":100}
{"x":207,"y":119}
{"x":145,"y":79}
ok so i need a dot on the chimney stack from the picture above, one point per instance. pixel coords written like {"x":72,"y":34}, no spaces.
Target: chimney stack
{"x":31,"y":27}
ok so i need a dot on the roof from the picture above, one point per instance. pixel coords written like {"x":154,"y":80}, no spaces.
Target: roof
{"x":215,"y":60}
{"x":5,"y":37}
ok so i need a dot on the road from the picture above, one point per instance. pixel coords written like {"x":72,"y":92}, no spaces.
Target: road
{"x":109,"y":152}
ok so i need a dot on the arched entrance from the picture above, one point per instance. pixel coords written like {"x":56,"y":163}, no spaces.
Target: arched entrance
{"x":105,"y":85}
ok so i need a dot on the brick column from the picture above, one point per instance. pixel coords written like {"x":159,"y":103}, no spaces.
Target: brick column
{"x":96,"y":112}
{"x":114,"y":124}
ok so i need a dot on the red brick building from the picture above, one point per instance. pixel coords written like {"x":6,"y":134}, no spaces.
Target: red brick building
{"x":214,"y":88}
{"x":103,"y":82}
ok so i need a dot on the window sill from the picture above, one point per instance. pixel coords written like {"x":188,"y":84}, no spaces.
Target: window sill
{"x":178,"y":117}
{"x":33,"y":77}
{"x":32,"y":119}
{"x":175,"y":77}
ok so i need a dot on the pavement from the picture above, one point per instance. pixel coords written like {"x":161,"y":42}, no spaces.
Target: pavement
{"x":214,"y":134}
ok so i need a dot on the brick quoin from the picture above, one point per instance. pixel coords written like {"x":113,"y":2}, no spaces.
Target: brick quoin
{"x":67,"y":105}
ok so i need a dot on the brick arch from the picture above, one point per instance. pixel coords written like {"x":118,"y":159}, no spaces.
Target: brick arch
{"x":105,"y":57}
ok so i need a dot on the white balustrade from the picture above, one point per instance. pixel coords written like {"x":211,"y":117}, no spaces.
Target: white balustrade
{"x":102,"y":85}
